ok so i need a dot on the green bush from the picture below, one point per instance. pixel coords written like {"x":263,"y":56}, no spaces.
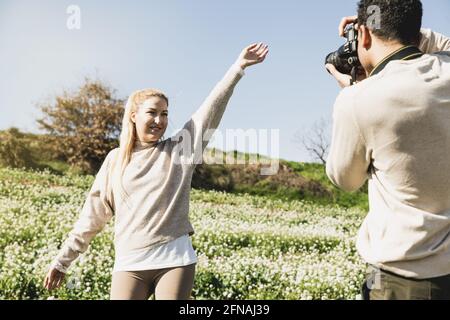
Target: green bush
{"x":14,"y":152}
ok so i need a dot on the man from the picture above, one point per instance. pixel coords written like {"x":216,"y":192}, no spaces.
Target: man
{"x":393,"y":128}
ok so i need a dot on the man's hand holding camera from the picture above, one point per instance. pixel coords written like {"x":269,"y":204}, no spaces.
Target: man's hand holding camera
{"x":340,"y":63}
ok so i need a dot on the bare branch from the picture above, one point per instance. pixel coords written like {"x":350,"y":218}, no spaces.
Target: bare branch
{"x":316,"y":141}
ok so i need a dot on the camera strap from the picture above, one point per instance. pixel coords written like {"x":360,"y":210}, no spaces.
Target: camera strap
{"x":405,"y":53}
{"x":353,"y":75}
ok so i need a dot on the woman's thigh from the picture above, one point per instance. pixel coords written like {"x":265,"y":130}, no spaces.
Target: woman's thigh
{"x":131,"y":285}
{"x":175,"y":283}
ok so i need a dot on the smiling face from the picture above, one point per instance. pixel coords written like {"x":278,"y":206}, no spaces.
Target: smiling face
{"x":151,"y":119}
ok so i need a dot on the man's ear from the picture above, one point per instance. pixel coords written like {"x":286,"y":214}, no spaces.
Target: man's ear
{"x":365,"y":37}
{"x":133,"y":116}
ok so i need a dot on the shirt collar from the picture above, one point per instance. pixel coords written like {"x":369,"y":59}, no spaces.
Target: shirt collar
{"x":405,"y":53}
{"x":141,"y":145}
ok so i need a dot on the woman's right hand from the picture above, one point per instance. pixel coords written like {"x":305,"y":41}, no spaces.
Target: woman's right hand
{"x":53,"y":279}
{"x":253,"y":54}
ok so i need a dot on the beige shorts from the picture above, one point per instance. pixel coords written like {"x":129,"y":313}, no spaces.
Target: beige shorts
{"x":165,"y":284}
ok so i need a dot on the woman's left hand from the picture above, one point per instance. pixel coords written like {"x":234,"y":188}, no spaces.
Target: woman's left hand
{"x":253,"y":54}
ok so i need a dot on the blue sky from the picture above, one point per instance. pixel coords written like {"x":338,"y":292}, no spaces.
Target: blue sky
{"x":183,"y":48}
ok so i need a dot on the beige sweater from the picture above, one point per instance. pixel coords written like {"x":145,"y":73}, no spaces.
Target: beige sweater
{"x":394,"y":129}
{"x":158,"y":179}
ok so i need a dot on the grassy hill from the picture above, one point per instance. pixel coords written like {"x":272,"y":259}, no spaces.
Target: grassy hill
{"x":294,"y":181}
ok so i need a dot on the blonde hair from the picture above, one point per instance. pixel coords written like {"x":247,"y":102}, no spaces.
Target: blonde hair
{"x":128,"y":138}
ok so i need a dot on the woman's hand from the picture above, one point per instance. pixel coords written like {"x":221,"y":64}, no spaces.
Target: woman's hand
{"x":253,"y":54}
{"x":53,"y":279}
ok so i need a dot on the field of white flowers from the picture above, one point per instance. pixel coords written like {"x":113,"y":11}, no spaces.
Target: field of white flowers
{"x":248,"y":247}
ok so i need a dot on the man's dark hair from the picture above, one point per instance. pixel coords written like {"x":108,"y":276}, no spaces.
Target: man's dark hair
{"x":399,"y":20}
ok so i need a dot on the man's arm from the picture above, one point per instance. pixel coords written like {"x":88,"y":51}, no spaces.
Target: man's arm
{"x":432,"y":42}
{"x":348,"y":161}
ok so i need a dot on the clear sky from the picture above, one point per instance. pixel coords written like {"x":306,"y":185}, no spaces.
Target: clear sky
{"x":184,"y":48}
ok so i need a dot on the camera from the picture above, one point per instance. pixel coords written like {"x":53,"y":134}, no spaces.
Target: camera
{"x":345,"y":59}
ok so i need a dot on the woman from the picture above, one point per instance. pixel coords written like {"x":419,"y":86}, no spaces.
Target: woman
{"x":145,"y":184}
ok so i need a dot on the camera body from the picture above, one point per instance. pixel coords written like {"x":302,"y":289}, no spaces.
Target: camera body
{"x":345,"y":59}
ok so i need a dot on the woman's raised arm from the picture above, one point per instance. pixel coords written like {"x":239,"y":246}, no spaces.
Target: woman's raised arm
{"x":197,"y":132}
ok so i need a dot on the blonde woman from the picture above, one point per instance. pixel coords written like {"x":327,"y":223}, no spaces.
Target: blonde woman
{"x":145,"y":184}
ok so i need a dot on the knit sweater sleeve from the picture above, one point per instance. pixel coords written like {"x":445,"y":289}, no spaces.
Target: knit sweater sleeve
{"x":197,"y":132}
{"x":349,"y":159}
{"x":432,"y":42}
{"x":95,"y":213}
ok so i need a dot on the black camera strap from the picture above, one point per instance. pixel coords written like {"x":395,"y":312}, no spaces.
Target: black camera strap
{"x":405,"y":53}
{"x":353,"y":74}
